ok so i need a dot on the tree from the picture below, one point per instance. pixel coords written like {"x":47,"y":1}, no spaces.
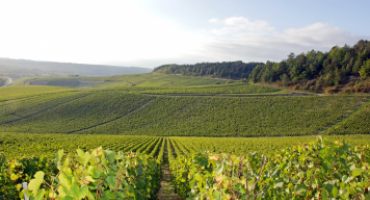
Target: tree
{"x":319,"y":84}
{"x":284,"y":80}
{"x":294,"y":73}
{"x":337,"y":77}
{"x":365,"y":70}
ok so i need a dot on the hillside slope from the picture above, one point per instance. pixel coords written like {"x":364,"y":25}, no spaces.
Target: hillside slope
{"x":115,"y":112}
{"x":20,"y":68}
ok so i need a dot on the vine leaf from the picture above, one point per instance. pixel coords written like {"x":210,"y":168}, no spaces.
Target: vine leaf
{"x":36,"y":182}
{"x":357,"y":172}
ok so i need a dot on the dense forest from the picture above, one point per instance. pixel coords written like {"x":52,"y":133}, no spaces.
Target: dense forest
{"x":236,"y":69}
{"x":340,"y":68}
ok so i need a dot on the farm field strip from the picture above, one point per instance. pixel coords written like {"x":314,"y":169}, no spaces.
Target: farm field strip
{"x":231,"y":89}
{"x":15,"y":144}
{"x":136,"y":109}
{"x":182,"y":146}
{"x":18,"y":92}
{"x":97,"y":108}
{"x":277,"y":94}
{"x":11,"y":100}
{"x":30,"y":107}
{"x":360,"y":107}
{"x":211,"y":116}
{"x":358,"y":122}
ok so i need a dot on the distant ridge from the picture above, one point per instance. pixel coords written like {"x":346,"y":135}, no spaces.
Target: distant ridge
{"x":8,"y":65}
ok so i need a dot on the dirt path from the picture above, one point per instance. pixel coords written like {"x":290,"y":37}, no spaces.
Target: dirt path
{"x":226,"y":95}
{"x":136,"y":109}
{"x":10,"y":81}
{"x":167,"y":190}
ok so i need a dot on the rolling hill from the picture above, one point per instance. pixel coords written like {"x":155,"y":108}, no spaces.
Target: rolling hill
{"x":20,"y":68}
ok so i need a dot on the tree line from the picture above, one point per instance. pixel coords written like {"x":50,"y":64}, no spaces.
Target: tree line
{"x":316,"y":70}
{"x":233,"y":69}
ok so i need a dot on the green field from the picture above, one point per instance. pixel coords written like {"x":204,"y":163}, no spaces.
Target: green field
{"x":172,"y":119}
{"x":242,"y":146}
{"x":116,"y":112}
{"x":172,"y":105}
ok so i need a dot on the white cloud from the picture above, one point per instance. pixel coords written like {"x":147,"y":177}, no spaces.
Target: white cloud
{"x":214,"y":20}
{"x":319,"y":34}
{"x":234,"y":25}
{"x":239,"y":44}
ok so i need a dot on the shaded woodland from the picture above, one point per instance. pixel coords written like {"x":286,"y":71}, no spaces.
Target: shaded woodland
{"x":236,"y":69}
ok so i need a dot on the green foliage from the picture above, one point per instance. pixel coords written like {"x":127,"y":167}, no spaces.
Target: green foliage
{"x":130,"y":80}
{"x":365,"y":70}
{"x":241,"y":146}
{"x":17,"y":92}
{"x":210,"y":116}
{"x":357,"y":123}
{"x":14,"y":172}
{"x":14,"y":145}
{"x":94,"y":174}
{"x":333,"y":67}
{"x":26,"y":107}
{"x":225,"y":69}
{"x":238,"y":88}
{"x":320,"y":170}
{"x":94,"y":109}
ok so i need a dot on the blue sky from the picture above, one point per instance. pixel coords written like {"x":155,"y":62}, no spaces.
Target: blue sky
{"x":194,"y":14}
{"x":151,"y":33}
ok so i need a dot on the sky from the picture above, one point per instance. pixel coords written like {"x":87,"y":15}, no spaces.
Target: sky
{"x":149,"y":33}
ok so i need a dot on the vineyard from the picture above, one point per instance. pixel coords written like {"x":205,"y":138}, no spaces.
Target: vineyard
{"x":229,"y":89}
{"x":257,"y":116}
{"x":80,"y":113}
{"x":198,"y":168}
{"x":143,"y":80}
{"x":119,"y":112}
{"x":18,"y":92}
{"x":167,"y":84}
{"x":357,"y":123}
{"x":26,"y":107}
{"x":207,"y":138}
{"x":319,"y":170}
